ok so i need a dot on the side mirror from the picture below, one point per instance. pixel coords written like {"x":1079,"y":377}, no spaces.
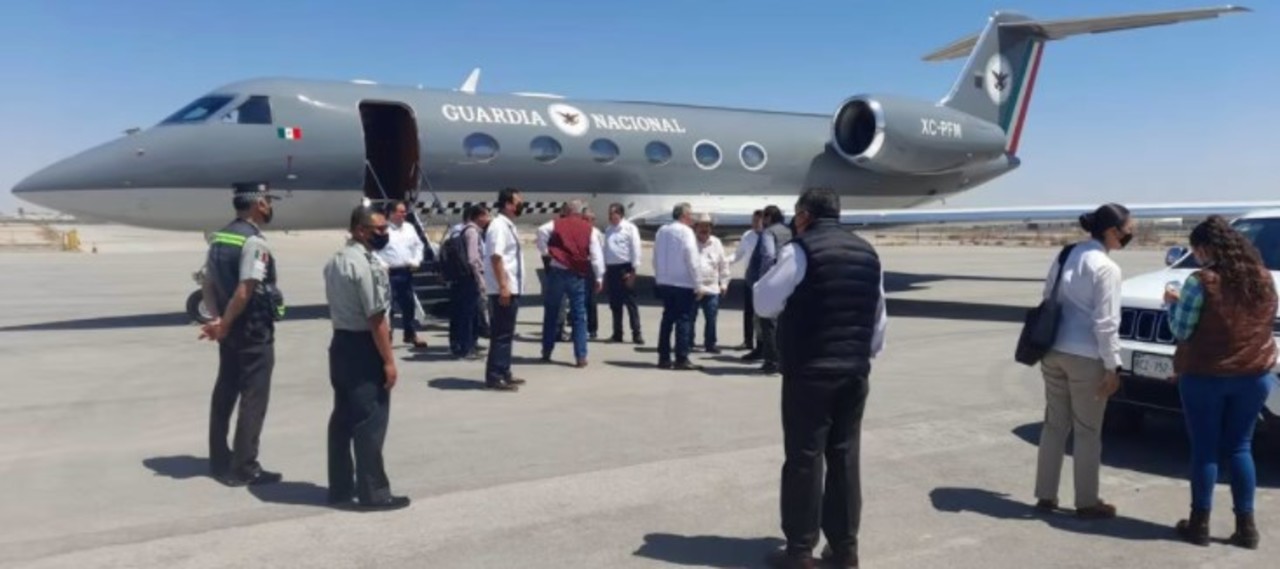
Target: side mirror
{"x":1173,"y":255}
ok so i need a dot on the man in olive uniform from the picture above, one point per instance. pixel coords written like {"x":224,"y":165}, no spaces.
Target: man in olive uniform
{"x":240,"y":292}
{"x":362,"y":370}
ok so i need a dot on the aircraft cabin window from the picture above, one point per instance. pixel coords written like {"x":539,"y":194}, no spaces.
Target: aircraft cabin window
{"x":198,"y":111}
{"x":707,"y":155}
{"x":255,"y":110}
{"x":480,"y":147}
{"x":658,"y":153}
{"x":753,"y":156}
{"x":604,"y":151}
{"x":545,"y":149}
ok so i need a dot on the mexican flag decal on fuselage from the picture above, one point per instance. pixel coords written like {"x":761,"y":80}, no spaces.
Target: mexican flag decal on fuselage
{"x":289,"y":133}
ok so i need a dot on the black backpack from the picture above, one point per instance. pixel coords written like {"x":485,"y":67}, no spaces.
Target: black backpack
{"x":454,"y":266}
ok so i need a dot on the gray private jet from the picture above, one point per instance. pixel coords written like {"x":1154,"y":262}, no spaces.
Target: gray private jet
{"x":327,"y":145}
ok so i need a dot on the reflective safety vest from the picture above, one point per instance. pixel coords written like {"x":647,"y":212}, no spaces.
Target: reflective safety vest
{"x":257,"y":323}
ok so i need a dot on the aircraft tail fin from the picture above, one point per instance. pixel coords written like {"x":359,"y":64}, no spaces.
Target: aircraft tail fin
{"x":1003,"y":60}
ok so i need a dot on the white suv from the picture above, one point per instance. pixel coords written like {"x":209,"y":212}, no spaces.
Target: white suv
{"x":1147,"y":345}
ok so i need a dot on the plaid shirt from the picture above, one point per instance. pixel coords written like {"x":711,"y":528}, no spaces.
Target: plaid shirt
{"x":1185,"y":314}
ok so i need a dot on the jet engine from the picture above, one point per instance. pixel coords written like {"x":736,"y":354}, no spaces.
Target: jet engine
{"x":898,"y":136}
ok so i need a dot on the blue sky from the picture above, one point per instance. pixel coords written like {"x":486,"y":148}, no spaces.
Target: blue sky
{"x":1162,"y":114}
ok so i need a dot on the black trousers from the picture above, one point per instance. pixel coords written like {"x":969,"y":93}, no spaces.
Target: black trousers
{"x":822,"y":419}
{"x":620,"y":295}
{"x":593,"y":311}
{"x":402,"y":292}
{"x":749,"y":318}
{"x":244,"y":373}
{"x":361,"y":407}
{"x":502,"y":327}
{"x":767,"y":340}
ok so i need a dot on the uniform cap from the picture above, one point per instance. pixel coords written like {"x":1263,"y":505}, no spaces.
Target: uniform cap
{"x":702,"y":218}
{"x":253,"y":190}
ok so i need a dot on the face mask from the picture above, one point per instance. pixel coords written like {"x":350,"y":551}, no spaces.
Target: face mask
{"x":379,"y":241}
{"x":1124,"y":241}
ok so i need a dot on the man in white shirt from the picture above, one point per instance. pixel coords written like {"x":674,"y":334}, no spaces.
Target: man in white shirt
{"x":622,"y":257}
{"x":826,"y":291}
{"x":675,"y":264}
{"x":746,"y":246}
{"x":504,"y":281}
{"x":403,"y":256}
{"x":540,"y":240}
{"x":713,"y":280}
{"x":593,"y":309}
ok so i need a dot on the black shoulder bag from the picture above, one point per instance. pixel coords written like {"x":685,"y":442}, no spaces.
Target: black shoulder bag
{"x":1041,"y":325}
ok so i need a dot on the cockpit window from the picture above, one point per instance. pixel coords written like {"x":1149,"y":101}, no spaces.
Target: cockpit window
{"x":200,"y":110}
{"x":1263,"y":233}
{"x":255,"y":110}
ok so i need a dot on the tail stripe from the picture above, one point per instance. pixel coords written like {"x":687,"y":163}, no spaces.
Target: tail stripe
{"x":1022,"y":98}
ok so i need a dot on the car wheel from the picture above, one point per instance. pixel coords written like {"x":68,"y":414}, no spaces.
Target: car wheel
{"x":196,"y":309}
{"x":1121,"y":419}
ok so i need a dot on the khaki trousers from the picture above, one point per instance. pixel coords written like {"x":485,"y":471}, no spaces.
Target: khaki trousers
{"x":1071,"y":406}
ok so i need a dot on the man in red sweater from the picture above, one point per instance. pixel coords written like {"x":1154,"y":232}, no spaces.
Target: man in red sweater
{"x":576,"y":260}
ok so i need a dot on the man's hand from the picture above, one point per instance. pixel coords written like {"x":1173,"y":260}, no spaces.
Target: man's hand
{"x":213,"y":331}
{"x":1171,"y":296}
{"x":599,"y":286}
{"x":389,"y":370}
{"x":724,"y":290}
{"x":504,"y":296}
{"x":629,"y":279}
{"x":1110,"y":383}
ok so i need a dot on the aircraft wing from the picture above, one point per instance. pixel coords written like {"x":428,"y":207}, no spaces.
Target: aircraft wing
{"x":928,"y":216}
{"x":1059,"y":29}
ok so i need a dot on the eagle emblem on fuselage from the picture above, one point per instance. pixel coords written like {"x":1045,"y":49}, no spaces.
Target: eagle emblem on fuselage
{"x":570,"y":118}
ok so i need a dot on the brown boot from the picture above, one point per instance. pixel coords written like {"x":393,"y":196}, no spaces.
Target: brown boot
{"x":1246,"y":534}
{"x":1196,"y":529}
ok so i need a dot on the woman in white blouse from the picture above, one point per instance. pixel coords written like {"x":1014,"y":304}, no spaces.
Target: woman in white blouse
{"x":1081,"y":371}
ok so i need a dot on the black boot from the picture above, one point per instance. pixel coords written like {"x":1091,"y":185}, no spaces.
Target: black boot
{"x":1196,"y":529}
{"x":1246,"y":534}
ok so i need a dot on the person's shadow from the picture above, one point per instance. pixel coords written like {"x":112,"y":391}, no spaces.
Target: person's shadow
{"x":708,"y":550}
{"x":1000,"y":506}
{"x":294,"y":493}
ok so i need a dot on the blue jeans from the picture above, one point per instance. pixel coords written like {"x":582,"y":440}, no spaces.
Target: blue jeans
{"x":463,"y":317}
{"x":710,"y":305}
{"x":677,"y":312}
{"x":561,"y":283}
{"x":1221,"y":413}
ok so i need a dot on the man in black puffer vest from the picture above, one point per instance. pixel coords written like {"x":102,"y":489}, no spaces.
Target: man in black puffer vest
{"x":827,"y":292}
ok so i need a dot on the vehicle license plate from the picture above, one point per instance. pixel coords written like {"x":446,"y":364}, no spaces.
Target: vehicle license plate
{"x":1153,"y":366}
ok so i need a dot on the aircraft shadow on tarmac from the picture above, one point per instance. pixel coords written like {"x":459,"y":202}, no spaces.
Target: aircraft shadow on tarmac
{"x":708,"y":550}
{"x":1161,"y":449}
{"x":645,"y":296}
{"x":288,"y":492}
{"x":1002,"y":507}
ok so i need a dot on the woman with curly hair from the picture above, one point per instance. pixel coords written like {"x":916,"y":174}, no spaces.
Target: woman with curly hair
{"x":1222,"y":319}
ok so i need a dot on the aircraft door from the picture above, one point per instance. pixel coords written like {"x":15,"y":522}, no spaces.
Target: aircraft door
{"x":391,"y":169}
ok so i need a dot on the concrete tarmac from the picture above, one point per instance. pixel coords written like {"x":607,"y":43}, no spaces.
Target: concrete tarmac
{"x":105,"y":398}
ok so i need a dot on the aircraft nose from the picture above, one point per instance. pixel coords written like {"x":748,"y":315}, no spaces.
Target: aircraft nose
{"x":94,"y":169}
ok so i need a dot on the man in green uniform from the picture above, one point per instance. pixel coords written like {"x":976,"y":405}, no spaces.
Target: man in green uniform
{"x":362,"y":370}
{"x":240,"y":292}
